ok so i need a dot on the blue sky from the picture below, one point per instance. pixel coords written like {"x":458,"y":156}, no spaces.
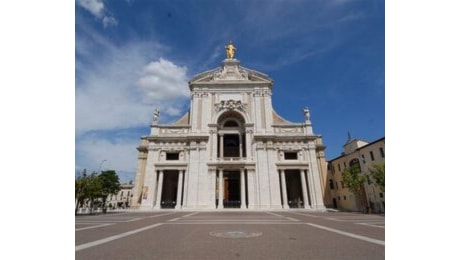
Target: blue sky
{"x":132,"y":56}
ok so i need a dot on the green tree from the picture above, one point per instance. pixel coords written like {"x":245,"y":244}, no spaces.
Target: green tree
{"x":110,"y":185}
{"x":354,"y":181}
{"x":378,"y":174}
{"x":93,"y":189}
{"x":80,"y":189}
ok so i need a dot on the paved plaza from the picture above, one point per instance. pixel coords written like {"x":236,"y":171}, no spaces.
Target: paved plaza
{"x":230,"y":235}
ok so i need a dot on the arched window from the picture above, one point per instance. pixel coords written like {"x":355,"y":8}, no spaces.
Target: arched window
{"x":232,"y":138}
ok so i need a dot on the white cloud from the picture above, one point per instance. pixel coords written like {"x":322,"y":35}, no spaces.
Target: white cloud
{"x":96,"y":8}
{"x":119,"y":87}
{"x":107,"y":21}
{"x":163,"y":80}
{"x":120,"y":155}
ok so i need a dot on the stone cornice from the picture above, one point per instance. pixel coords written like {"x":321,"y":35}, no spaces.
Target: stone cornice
{"x":171,"y":166}
{"x":177,"y":138}
{"x":231,"y":164}
{"x":295,"y":165}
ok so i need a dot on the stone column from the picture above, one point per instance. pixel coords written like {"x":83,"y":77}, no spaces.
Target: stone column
{"x":311,"y":188}
{"x":179,"y":190}
{"x":159,"y":190}
{"x":240,"y":137}
{"x":221,"y":139}
{"x":214,"y":144}
{"x":306,"y":200}
{"x":251,"y":189}
{"x":248,"y":146}
{"x":317,"y":198}
{"x":242,"y":189}
{"x":221,"y":189}
{"x":284,"y":191}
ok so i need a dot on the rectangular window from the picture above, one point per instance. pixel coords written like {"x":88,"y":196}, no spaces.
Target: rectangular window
{"x":381,"y":195}
{"x":172,"y":156}
{"x":290,"y":156}
{"x":336,"y":185}
{"x":339,"y":167}
{"x":382,"y":153}
{"x":331,"y":184}
{"x":344,"y":197}
{"x":364,"y":159}
{"x":372,"y":155}
{"x":343,"y":185}
{"x":344,"y":165}
{"x":339,"y":197}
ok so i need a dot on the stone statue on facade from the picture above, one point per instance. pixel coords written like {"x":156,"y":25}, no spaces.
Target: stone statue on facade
{"x":156,"y":115}
{"x":306,"y":113}
{"x":230,"y":50}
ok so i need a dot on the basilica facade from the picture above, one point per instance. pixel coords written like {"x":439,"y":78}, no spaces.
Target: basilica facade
{"x":230,"y":150}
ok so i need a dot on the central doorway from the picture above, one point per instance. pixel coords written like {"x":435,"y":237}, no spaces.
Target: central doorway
{"x":294,"y":189}
{"x":169,"y":192}
{"x":232,"y":189}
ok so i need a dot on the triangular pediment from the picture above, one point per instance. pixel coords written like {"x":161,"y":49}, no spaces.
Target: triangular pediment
{"x":231,"y":71}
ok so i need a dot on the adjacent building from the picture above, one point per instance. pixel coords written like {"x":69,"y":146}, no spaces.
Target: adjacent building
{"x":230,"y":150}
{"x":121,"y":200}
{"x":364,"y":156}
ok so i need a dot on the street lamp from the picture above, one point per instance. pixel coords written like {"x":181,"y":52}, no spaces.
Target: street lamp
{"x":100,"y":165}
{"x":99,"y":172}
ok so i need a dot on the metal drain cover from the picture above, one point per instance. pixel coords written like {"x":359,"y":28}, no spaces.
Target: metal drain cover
{"x":235,"y":234}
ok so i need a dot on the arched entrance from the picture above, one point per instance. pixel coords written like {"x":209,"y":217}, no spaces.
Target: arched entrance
{"x":231,"y":143}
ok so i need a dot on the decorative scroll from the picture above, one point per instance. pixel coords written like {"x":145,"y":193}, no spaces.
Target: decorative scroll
{"x":230,"y":105}
{"x":173,"y":131}
{"x":230,"y":72}
{"x":288,"y":130}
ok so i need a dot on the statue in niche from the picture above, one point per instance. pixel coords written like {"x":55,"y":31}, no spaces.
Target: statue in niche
{"x":230,"y":50}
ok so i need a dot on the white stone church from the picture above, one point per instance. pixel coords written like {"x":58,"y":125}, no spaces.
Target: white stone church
{"x":230,"y":150}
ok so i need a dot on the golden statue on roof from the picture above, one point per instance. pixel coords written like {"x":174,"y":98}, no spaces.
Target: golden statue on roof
{"x":230,"y":50}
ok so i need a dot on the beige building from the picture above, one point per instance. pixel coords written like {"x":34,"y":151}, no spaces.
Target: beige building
{"x":364,"y":155}
{"x":230,"y":150}
{"x":122,"y":199}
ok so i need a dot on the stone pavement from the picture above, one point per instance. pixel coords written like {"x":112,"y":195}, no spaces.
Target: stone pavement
{"x":288,"y":234}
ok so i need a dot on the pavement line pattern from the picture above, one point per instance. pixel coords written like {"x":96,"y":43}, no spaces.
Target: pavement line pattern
{"x":370,"y":224}
{"x":99,"y":221}
{"x":236,"y":223}
{"x":368,"y":239}
{"x":281,"y":216}
{"x":103,"y":225}
{"x":191,"y":214}
{"x":154,"y":216}
{"x":229,"y":220}
{"x":308,"y":215}
{"x":111,"y":238}
{"x":178,"y":218}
